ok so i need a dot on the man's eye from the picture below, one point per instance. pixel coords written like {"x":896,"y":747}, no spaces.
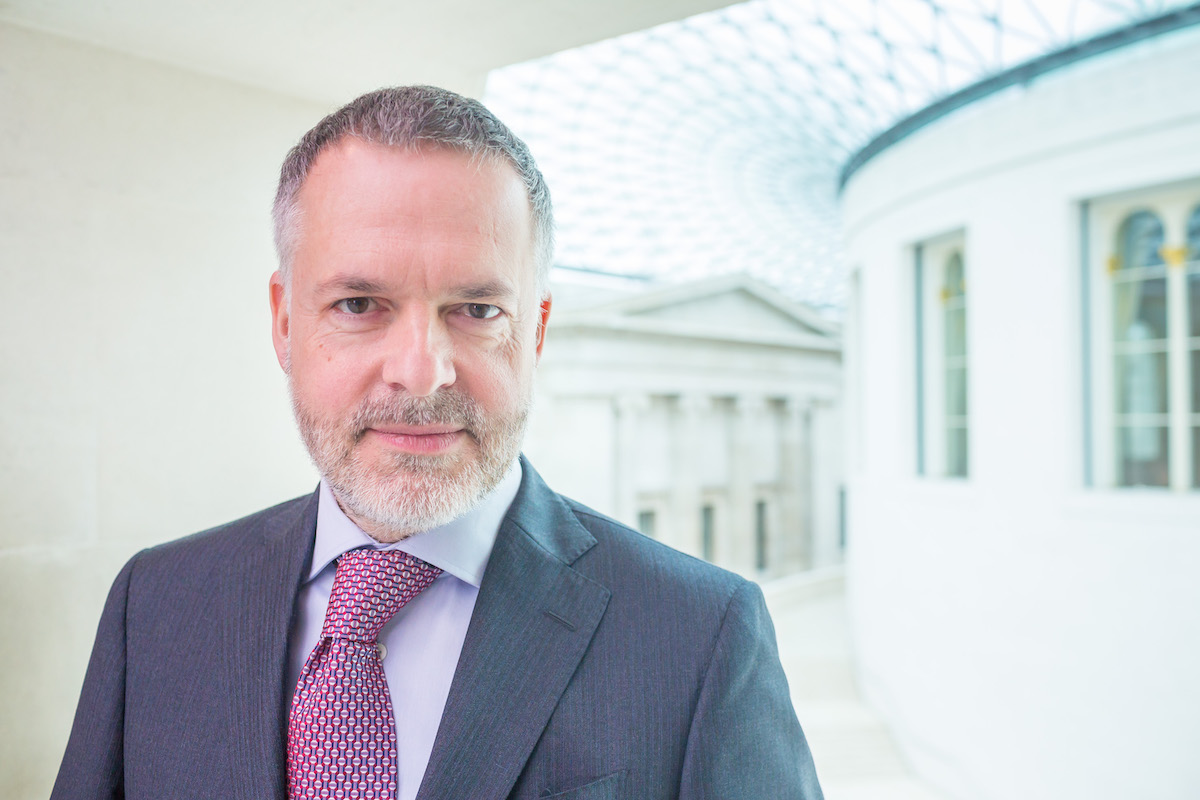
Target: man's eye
{"x":481,"y":310}
{"x":354,"y":305}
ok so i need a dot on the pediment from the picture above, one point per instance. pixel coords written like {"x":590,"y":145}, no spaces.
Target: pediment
{"x":736,"y":306}
{"x":733,"y":310}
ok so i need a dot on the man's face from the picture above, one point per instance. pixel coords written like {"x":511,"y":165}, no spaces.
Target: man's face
{"x":411,"y":330}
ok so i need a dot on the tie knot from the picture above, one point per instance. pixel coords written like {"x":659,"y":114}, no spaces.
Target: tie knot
{"x":370,"y":586}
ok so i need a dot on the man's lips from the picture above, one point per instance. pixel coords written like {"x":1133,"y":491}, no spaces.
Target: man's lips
{"x":417,"y":438}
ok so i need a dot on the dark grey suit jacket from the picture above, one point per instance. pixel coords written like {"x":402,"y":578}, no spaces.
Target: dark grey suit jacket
{"x":598,"y":664}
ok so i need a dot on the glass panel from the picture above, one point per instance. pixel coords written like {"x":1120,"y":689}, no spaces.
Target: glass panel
{"x":955,"y":316}
{"x":1140,"y":241}
{"x":1196,"y":381}
{"x":1196,"y":456}
{"x":954,"y":285}
{"x":1193,"y":236}
{"x":707,"y":532}
{"x":1140,"y":311}
{"x":956,"y":332}
{"x":760,"y":534}
{"x":956,"y":391}
{"x":1193,"y":294}
{"x":956,"y":452}
{"x":1142,"y":456}
{"x":1142,"y":383}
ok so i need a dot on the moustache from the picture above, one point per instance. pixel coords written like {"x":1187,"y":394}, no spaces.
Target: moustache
{"x":445,"y":407}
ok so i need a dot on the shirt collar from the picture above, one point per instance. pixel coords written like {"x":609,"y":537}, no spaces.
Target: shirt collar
{"x":461,"y":547}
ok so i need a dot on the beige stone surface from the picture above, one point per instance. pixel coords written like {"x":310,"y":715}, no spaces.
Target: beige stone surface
{"x":855,"y":754}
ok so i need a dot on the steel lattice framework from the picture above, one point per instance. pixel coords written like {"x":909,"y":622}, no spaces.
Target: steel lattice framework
{"x":715,"y":143}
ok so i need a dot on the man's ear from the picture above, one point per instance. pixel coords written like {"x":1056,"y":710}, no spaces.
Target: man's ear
{"x":543,"y":318}
{"x":280,"y":321}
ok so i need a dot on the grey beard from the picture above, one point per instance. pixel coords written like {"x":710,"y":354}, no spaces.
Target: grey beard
{"x":412,"y":493}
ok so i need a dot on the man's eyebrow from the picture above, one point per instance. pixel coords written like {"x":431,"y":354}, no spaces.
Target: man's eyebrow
{"x":482,"y":291}
{"x":341,"y":284}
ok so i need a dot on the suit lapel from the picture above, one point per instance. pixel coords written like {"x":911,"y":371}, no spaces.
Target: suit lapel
{"x":533,"y":621}
{"x":266,"y":580}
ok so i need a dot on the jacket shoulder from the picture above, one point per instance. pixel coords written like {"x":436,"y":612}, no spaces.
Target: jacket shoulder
{"x":289,"y":518}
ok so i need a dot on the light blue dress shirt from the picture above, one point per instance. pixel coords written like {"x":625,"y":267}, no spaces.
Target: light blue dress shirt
{"x":423,"y":641}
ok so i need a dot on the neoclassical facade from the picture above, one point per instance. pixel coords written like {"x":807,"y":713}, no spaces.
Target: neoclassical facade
{"x":706,"y":414}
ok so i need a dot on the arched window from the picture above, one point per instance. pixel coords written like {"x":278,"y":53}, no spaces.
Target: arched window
{"x":1140,"y":366}
{"x":1141,"y":239}
{"x":943,"y":430}
{"x":1142,"y":300}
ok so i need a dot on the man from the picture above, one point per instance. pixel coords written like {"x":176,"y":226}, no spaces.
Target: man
{"x":433,"y":622}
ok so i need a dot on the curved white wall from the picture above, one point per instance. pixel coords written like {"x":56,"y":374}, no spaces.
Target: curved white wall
{"x":1026,"y":636}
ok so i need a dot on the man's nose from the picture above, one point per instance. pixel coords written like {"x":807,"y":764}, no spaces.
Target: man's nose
{"x":419,"y":357}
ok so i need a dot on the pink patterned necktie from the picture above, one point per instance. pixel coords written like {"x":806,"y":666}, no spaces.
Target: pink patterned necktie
{"x":342,"y":730}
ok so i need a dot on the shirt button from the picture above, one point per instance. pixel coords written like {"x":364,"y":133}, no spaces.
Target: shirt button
{"x":382,"y":650}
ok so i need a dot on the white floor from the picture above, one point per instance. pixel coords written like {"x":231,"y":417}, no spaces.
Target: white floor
{"x":855,"y":755}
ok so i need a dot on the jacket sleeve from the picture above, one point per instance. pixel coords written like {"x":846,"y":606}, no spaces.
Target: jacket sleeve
{"x":745,"y":740}
{"x":93,"y":765}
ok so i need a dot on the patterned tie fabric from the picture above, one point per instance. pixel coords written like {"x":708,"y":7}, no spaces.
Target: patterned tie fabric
{"x":342,"y":730}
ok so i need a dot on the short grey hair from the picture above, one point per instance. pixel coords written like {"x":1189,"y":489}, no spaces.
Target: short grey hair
{"x":412,"y":117}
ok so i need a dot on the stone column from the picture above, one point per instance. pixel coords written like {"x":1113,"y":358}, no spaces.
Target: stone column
{"x":795,"y":482}
{"x":739,"y":552}
{"x":627,"y":409}
{"x":686,"y":430}
{"x":825,"y":445}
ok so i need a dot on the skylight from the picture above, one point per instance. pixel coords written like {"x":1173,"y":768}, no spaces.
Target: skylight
{"x":714,"y":144}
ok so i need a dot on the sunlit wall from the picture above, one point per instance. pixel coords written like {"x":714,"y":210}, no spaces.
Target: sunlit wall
{"x":140,"y":397}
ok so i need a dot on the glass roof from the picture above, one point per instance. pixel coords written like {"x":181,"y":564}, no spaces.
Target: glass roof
{"x":714,"y":144}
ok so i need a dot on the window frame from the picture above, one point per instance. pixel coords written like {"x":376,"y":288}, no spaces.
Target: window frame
{"x":1173,"y":205}
{"x":931,"y":258}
